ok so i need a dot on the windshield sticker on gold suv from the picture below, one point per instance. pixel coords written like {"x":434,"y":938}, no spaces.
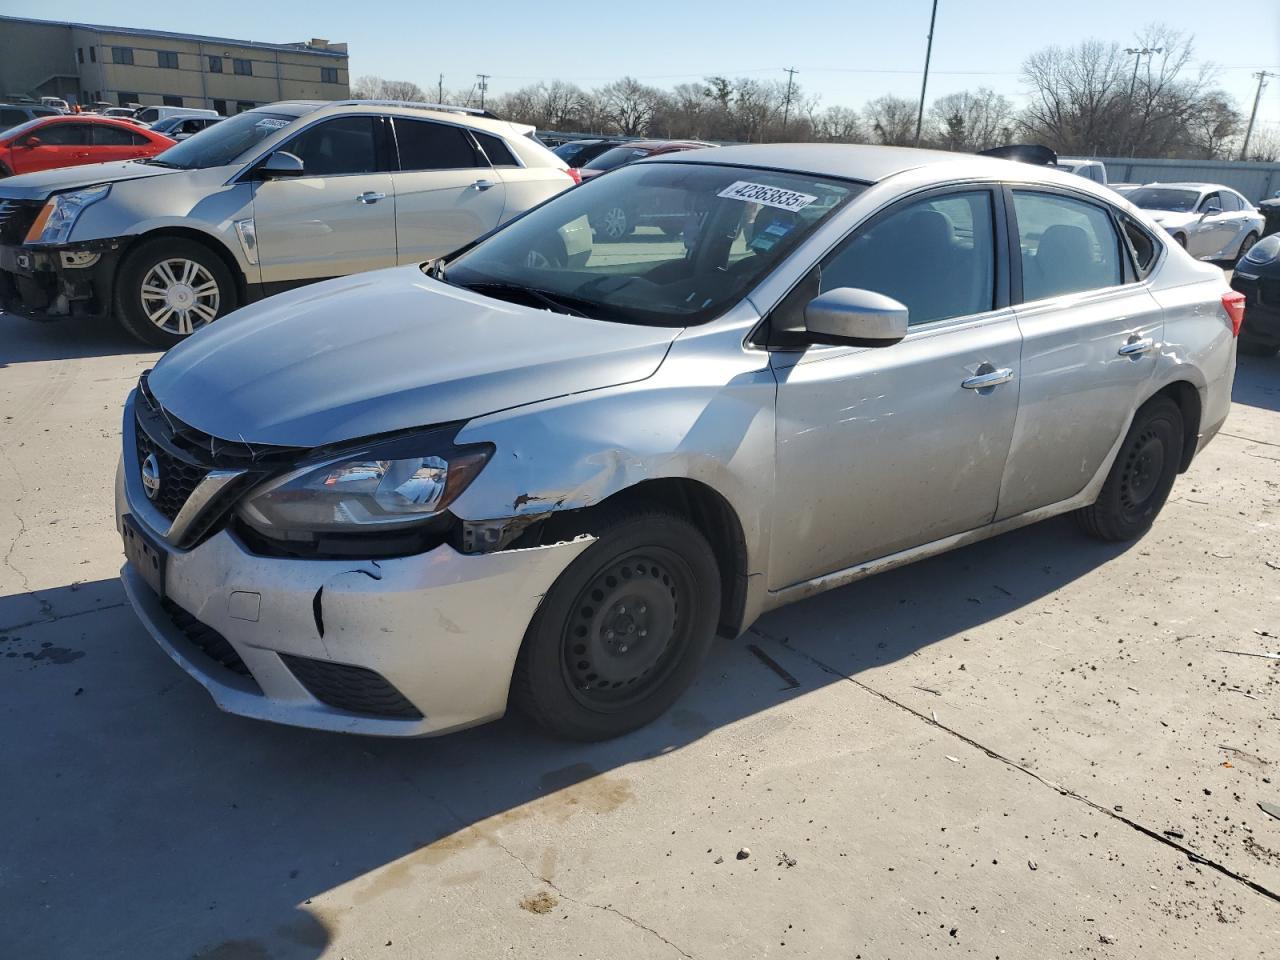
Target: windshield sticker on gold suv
{"x":769,"y":196}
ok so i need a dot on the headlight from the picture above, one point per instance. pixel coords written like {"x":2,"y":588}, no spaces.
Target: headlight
{"x":61,"y":212}
{"x":390,"y":485}
{"x":1265,"y":250}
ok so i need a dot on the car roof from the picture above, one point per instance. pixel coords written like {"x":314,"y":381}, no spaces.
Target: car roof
{"x":1187,"y":185}
{"x":462,"y":115}
{"x":864,"y":163}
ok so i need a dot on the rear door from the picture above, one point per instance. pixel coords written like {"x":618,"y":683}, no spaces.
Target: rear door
{"x":1091,"y":333}
{"x":116,"y":143}
{"x":886,"y":448}
{"x":339,"y":216}
{"x":446,"y":192}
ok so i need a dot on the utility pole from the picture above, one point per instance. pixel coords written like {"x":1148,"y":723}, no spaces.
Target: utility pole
{"x":924,"y":83}
{"x":484,"y":85}
{"x":1138,"y":53}
{"x":1262,"y":76}
{"x":786,"y":104}
{"x":440,"y":90}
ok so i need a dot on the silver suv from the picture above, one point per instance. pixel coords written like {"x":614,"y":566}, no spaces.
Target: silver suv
{"x":394,"y":503}
{"x":267,"y":200}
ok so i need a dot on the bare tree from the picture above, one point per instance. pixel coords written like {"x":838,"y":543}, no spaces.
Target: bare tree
{"x":892,"y":120}
{"x":378,"y":88}
{"x":628,"y":105}
{"x":839,"y":125}
{"x":1212,"y":125}
{"x":971,"y":120}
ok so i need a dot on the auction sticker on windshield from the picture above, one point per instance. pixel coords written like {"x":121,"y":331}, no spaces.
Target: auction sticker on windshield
{"x":271,"y":122}
{"x":768,"y":196}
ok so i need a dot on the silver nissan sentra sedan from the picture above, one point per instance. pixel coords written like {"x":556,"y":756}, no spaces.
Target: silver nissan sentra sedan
{"x":548,"y":469}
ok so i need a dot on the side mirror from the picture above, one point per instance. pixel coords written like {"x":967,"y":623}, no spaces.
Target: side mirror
{"x":280,"y":164}
{"x":859,"y":318}
{"x":31,"y":142}
{"x":1212,"y":210}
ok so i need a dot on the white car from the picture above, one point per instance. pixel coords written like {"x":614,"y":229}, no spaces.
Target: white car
{"x":1094,"y":170}
{"x":1211,"y":221}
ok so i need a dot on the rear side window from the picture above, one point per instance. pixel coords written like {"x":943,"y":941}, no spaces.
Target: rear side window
{"x":105,"y":136}
{"x":1068,"y":246}
{"x":1141,"y":245}
{"x":65,"y":135}
{"x":936,"y":256}
{"x":344,"y":145}
{"x":425,"y":145}
{"x":1230,"y":202}
{"x":495,"y":149}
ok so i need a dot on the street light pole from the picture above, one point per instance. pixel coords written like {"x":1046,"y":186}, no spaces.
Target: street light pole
{"x":1253,"y":114}
{"x":924,"y":83}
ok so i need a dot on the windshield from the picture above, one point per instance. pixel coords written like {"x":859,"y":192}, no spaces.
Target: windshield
{"x":616,"y":158}
{"x":222,"y":143}
{"x":1163,"y":198}
{"x":662,"y":244}
{"x":567,"y":151}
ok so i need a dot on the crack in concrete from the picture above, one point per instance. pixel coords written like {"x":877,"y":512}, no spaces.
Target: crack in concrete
{"x":41,"y":621}
{"x":1057,"y":787}
{"x":1236,"y":436}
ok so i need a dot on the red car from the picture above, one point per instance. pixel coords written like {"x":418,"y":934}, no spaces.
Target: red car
{"x":72,"y":140}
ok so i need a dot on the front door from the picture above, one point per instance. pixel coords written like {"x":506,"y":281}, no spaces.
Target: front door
{"x":60,"y":145}
{"x":1090,"y":342}
{"x":886,"y":448}
{"x":446,"y":192}
{"x":338,"y":217}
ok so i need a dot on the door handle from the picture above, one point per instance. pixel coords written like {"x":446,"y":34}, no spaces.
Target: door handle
{"x":993,"y":378}
{"x":370,"y":197}
{"x":1136,"y":348}
{"x":484,"y":184}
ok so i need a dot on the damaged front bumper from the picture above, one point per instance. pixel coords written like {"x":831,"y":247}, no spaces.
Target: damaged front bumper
{"x":55,"y":283}
{"x":406,"y":647}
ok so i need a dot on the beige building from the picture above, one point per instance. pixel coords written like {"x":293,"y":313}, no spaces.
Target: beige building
{"x":84,"y":63}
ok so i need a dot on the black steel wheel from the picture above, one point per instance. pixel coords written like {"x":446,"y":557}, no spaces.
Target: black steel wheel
{"x":1141,"y":477}
{"x":622,"y":631}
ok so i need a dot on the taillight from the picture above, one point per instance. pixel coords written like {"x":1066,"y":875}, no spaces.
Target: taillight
{"x":574,"y":174}
{"x":1233,"y":302}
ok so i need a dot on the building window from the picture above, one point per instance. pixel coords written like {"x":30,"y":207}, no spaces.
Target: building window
{"x":80,"y":54}
{"x":243,"y":105}
{"x":167,"y":59}
{"x":125,"y":98}
{"x":171,"y":101}
{"x":93,"y":54}
{"x":215,"y":64}
{"x":220,"y":107}
{"x":328,"y":74}
{"x":122,"y":55}
{"x":244,"y":67}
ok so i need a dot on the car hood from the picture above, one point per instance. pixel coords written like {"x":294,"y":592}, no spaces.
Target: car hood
{"x":38,"y":186}
{"x":386,"y":351}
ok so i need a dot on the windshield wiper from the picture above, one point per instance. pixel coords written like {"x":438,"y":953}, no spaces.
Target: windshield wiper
{"x":157,"y":162}
{"x":548,"y":298}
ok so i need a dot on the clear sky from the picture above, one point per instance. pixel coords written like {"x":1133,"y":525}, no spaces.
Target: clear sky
{"x":847,"y":52}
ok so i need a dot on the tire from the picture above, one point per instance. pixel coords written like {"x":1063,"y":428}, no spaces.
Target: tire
{"x":187,"y":268}
{"x":592,"y":669}
{"x":1245,"y":246}
{"x":613,"y":223}
{"x":1142,"y":476}
{"x":1181,"y":240}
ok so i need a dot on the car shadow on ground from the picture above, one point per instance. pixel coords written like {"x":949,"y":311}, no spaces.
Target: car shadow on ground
{"x":31,"y":341}
{"x":156,"y":826}
{"x":1257,"y":383}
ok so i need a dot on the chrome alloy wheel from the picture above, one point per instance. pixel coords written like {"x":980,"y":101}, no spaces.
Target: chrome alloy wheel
{"x":179,"y":296}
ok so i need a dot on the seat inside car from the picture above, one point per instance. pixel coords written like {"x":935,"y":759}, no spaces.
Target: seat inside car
{"x":1063,"y":256}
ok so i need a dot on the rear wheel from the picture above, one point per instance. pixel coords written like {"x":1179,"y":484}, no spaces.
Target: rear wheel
{"x":1245,"y":246}
{"x":170,"y":287}
{"x":612,"y":223}
{"x":1141,"y":477}
{"x":621,"y":633}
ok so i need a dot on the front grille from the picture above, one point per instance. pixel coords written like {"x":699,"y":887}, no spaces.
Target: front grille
{"x":210,"y":642}
{"x":16,"y":217}
{"x":349,"y":688}
{"x":178,"y":478}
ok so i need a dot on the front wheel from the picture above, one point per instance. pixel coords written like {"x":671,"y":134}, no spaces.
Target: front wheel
{"x":612,"y":223}
{"x":169,"y":287}
{"x":1141,"y":477}
{"x":621,"y":633}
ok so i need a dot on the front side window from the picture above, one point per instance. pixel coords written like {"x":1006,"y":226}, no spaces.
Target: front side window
{"x":65,"y":135}
{"x":1067,"y":245}
{"x":425,"y":145}
{"x":122,"y":55}
{"x":150,"y":115}
{"x":225,"y":143}
{"x":708,"y":236}
{"x":936,"y":256}
{"x":1212,"y":201}
{"x":335,"y":147}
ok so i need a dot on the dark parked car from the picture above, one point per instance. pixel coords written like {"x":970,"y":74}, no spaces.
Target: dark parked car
{"x":656,"y":208}
{"x":578,"y":152}
{"x":1257,"y":276}
{"x":13,"y":114}
{"x":1270,"y":209}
